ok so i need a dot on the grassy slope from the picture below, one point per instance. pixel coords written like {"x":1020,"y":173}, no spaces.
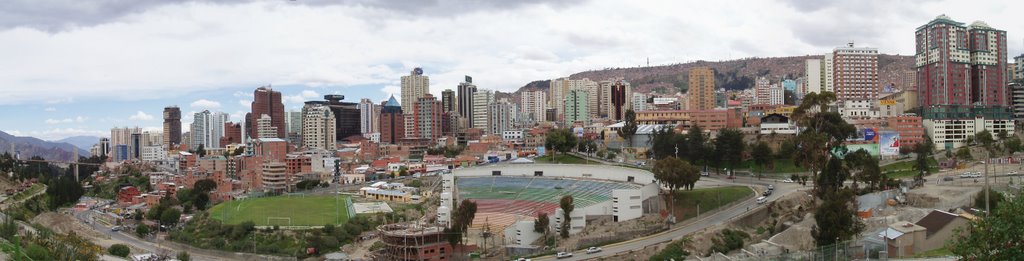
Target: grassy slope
{"x":906,"y":168}
{"x":709,"y":199}
{"x":308,"y":210}
{"x":564,"y":159}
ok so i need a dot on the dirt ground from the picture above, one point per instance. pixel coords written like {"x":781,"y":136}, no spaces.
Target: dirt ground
{"x":63,"y":223}
{"x":942,"y":197}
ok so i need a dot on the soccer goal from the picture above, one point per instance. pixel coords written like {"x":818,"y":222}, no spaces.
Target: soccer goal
{"x":285,"y":219}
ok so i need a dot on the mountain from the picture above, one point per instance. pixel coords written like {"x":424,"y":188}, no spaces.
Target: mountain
{"x":731,"y":74}
{"x":29,"y":146}
{"x":82,"y":142}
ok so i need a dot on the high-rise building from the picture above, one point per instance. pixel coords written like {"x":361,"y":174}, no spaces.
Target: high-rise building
{"x":576,"y":107}
{"x":827,"y":73}
{"x":207,"y":128}
{"x":619,"y":99}
{"x":172,"y":126}
{"x":466,"y":90}
{"x":392,"y":122}
{"x":960,"y":81}
{"x":559,"y":90}
{"x":427,"y":118}
{"x":368,"y":121}
{"x":639,"y":101}
{"x":414,"y":86}
{"x":346,"y":115}
{"x":266,"y":101}
{"x":533,"y":104}
{"x":855,"y":73}
{"x":232,"y":134}
{"x":812,"y":71}
{"x":123,"y":136}
{"x":1019,"y":67}
{"x":318,"y":126}
{"x":294,"y":123}
{"x":448,"y":101}
{"x":500,"y":116}
{"x":265,"y":127}
{"x":480,"y":101}
{"x":701,"y":90}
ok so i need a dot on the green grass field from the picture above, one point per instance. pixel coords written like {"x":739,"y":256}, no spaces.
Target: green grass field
{"x":780,"y":166}
{"x":709,"y":199}
{"x":564,"y":159}
{"x":303,"y":210}
{"x":906,"y":168}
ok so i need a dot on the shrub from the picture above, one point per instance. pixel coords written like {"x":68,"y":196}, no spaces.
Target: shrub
{"x":728,"y":240}
{"x":120,"y":250}
{"x":184,"y":256}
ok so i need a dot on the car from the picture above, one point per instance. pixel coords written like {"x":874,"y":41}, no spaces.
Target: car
{"x":1012,"y":173}
{"x":787,"y":181}
{"x":592,"y":250}
{"x":115,"y":228}
{"x":523,"y":259}
{"x":762,"y":200}
{"x":563,"y":255}
{"x":705,"y":174}
{"x":766,"y":193}
{"x":771,"y":187}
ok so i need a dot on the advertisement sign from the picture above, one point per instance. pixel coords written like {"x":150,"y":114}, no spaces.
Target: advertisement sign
{"x":540,"y":151}
{"x":886,"y":102}
{"x":889,"y":143}
{"x":870,"y":134}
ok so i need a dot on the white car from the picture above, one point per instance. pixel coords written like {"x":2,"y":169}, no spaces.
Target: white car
{"x":563,"y":255}
{"x":592,"y":250}
{"x":762,"y":200}
{"x":787,"y":181}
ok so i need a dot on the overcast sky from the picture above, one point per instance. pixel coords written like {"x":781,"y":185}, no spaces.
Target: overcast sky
{"x":76,"y":67}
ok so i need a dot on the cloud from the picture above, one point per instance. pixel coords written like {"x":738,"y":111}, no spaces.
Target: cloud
{"x":301,"y":97}
{"x":245,"y":103}
{"x":205,"y":104}
{"x":141,"y":116}
{"x":78,"y":119}
{"x":50,"y":109}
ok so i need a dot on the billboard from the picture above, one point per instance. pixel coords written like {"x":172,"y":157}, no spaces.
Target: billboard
{"x":886,"y":102}
{"x":889,"y":143}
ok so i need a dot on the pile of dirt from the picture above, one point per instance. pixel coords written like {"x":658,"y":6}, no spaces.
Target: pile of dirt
{"x":942,"y":197}
{"x":797,"y":236}
{"x":62,"y":223}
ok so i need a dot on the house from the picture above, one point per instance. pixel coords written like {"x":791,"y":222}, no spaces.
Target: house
{"x":126,"y":194}
{"x":904,"y":239}
{"x":941,"y":226}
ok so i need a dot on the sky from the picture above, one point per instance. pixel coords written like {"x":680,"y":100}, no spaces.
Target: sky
{"x":70,"y":67}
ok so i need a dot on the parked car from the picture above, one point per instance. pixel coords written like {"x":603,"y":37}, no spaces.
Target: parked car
{"x":766,"y":193}
{"x":563,"y":255}
{"x":705,"y":173}
{"x":787,"y":181}
{"x":592,"y":250}
{"x":762,"y":200}
{"x":115,"y":228}
{"x":771,"y":187}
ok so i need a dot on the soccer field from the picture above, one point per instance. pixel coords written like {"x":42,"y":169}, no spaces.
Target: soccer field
{"x":284,"y":211}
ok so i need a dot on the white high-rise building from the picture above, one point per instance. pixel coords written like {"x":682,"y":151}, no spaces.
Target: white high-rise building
{"x":264,"y":128}
{"x":534,"y":104}
{"x":639,"y":101}
{"x":813,"y":73}
{"x":207,"y":128}
{"x":318,"y":126}
{"x":776,"y":95}
{"x":369,"y":119}
{"x":828,"y":75}
{"x":414,"y":86}
{"x":481,"y":99}
{"x":559,"y":90}
{"x":501,"y":116}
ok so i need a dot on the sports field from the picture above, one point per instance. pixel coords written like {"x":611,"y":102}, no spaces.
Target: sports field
{"x":284,"y":211}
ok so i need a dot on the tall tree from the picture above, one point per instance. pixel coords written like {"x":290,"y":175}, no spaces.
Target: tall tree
{"x":729,"y":147}
{"x":560,"y":140}
{"x":986,"y":140}
{"x":762,"y":155}
{"x":696,"y":145}
{"x":540,"y":224}
{"x":835,"y":219}
{"x":663,"y":141}
{"x":567,"y":207}
{"x":823,"y":130}
{"x":999,"y":236}
{"x":924,"y":152}
{"x":864,"y":167}
{"x":629,"y":127}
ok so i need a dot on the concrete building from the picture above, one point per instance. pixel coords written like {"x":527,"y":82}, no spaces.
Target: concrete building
{"x":265,"y":127}
{"x":576,"y":108}
{"x":266,"y":101}
{"x":627,"y":204}
{"x":448,"y":101}
{"x":777,"y":124}
{"x":368,"y":117}
{"x":481,"y":99}
{"x":172,"y":126}
{"x":274,"y":177}
{"x":466,"y":92}
{"x":1019,"y":67}
{"x":766,"y":93}
{"x":294,"y":124}
{"x":1017,"y":101}
{"x":533,"y":104}
{"x":618,"y":100}
{"x":812,"y":70}
{"x":409,"y":242}
{"x":639,"y":101}
{"x":909,"y":127}
{"x":207,"y":128}
{"x":392,"y":122}
{"x":414,"y":86}
{"x":559,"y":91}
{"x":501,"y":116}
{"x":427,"y":118}
{"x":318,"y":126}
{"x":701,"y":89}
{"x":346,"y":116}
{"x":855,"y":73}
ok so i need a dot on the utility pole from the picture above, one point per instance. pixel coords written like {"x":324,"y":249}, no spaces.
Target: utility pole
{"x":987,"y":189}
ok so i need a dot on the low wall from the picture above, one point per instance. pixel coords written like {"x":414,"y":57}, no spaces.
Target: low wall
{"x":600,"y":172}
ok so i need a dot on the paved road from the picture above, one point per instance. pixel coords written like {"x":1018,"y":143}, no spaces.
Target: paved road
{"x":705,"y":221}
{"x":86,"y":218}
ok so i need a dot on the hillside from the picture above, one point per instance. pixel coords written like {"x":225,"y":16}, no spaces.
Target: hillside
{"x":732,"y":75}
{"x":29,"y":146}
{"x":82,"y":142}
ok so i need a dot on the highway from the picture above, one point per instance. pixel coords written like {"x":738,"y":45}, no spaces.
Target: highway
{"x":704,"y":222}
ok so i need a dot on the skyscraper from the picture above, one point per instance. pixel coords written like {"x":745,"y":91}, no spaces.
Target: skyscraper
{"x":501,"y":116}
{"x":427,"y":118}
{"x":346,"y":115}
{"x":392,"y":122}
{"x":414,"y":86}
{"x":265,"y":127}
{"x":122,"y":137}
{"x":172,"y":126}
{"x":812,"y":70}
{"x":620,"y":100}
{"x":318,"y":126}
{"x":855,"y":73}
{"x":448,"y":100}
{"x":576,"y":108}
{"x":533,"y":104}
{"x":466,"y":90}
{"x":266,"y":101}
{"x":207,"y":128}
{"x":232,"y":134}
{"x":480,"y":101}
{"x":294,"y":133}
{"x":701,"y":92}
{"x":368,"y":122}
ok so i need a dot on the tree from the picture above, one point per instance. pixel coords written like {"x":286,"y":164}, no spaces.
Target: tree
{"x":1002,"y":135}
{"x":729,"y":147}
{"x":629,"y":127}
{"x":540,"y":224}
{"x":994,"y":199}
{"x":924,"y":152}
{"x":762,"y":156}
{"x":170,"y":217}
{"x":866,"y":168}
{"x":985,"y":138}
{"x":1012,"y":144}
{"x":835,"y":219}
{"x":999,"y":236}
{"x":461,"y":219}
{"x":120,"y":250}
{"x":201,"y":150}
{"x":62,"y":191}
{"x":204,"y":186}
{"x":964,"y":153}
{"x":567,"y":207}
{"x":560,"y":140}
{"x":141,"y":230}
{"x":663,"y":142}
{"x":823,"y":130}
{"x":184,"y":256}
{"x":695,"y":145}
{"x":789,"y":98}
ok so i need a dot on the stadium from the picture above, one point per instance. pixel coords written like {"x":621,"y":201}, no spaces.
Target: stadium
{"x":510,"y":196}
{"x":289,"y":210}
